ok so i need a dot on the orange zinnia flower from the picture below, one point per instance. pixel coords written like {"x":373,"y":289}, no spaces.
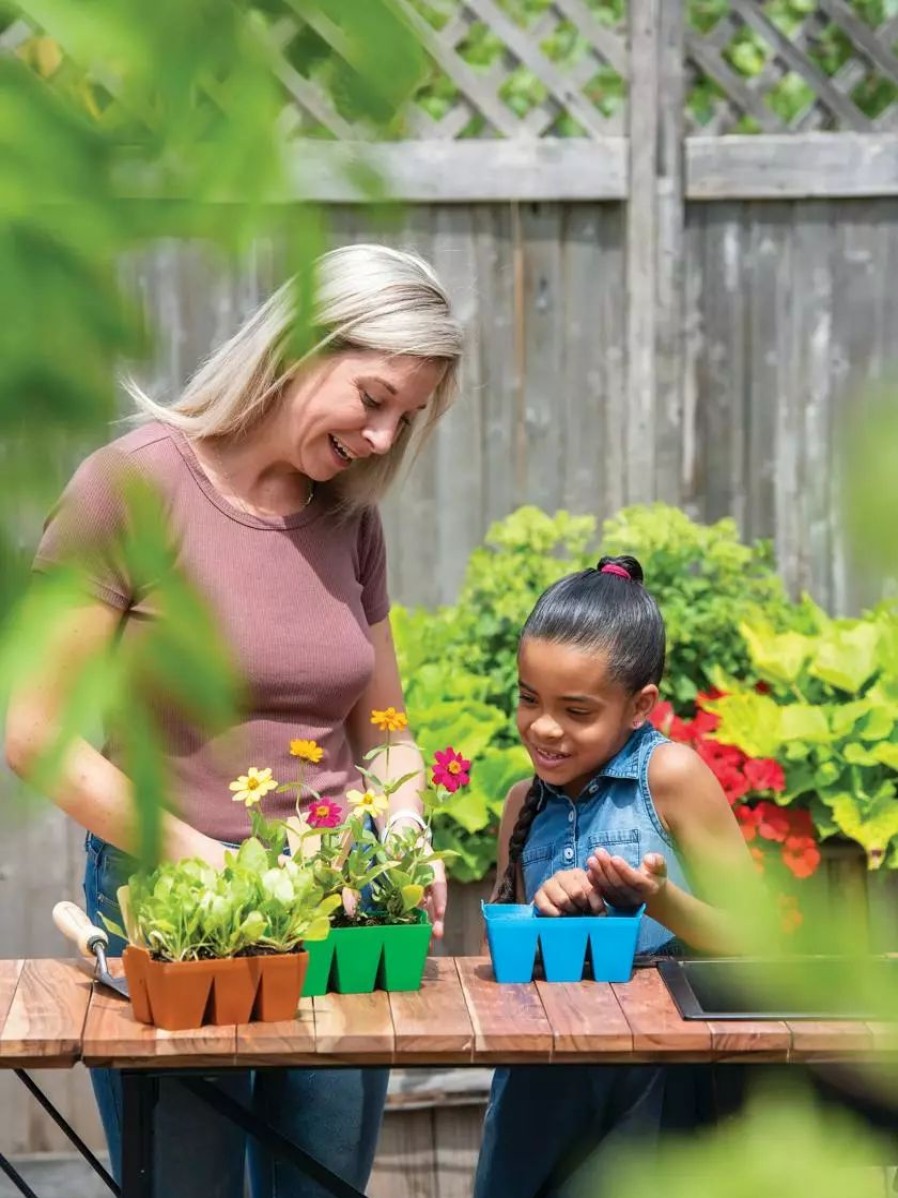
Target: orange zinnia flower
{"x":389,"y":720}
{"x":306,"y":750}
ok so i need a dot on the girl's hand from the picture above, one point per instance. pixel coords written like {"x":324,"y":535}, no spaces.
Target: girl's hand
{"x":623,"y":886}
{"x":566,"y":892}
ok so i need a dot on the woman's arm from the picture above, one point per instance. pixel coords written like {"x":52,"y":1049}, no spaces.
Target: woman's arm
{"x":90,"y":789}
{"x":383,"y":691}
{"x":694,"y":809}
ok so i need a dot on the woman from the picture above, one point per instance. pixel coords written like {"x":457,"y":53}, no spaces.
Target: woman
{"x":268,"y":469}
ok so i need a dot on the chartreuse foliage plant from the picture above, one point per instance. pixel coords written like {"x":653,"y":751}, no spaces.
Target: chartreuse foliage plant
{"x":459,"y":663}
{"x":186,"y":910}
{"x":829,"y":715}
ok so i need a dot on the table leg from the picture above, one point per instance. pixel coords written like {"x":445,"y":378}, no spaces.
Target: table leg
{"x":272,"y":1139}
{"x":139,"y":1094}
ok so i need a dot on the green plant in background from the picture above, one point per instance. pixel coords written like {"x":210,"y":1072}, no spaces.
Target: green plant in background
{"x":460,"y":669}
{"x":460,"y":663}
{"x":706,"y":582}
{"x":830,"y":718}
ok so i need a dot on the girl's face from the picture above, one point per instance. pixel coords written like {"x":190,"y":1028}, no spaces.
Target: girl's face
{"x":572,"y":718}
{"x":352,"y":405}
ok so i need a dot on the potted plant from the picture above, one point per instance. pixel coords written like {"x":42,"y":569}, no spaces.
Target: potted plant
{"x":220,"y":946}
{"x":379,"y":935}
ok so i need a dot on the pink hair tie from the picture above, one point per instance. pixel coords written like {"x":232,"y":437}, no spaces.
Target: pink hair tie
{"x":611,"y":568}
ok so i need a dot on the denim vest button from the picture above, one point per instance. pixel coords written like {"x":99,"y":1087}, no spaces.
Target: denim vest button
{"x":568,"y":853}
{"x":570,"y":817}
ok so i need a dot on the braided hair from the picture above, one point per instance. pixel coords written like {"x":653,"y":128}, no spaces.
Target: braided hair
{"x":603,"y":610}
{"x":505,"y":891}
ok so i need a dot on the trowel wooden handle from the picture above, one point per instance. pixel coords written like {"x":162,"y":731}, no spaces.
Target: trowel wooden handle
{"x":74,"y":924}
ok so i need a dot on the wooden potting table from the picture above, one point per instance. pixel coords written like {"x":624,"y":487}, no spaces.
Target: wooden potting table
{"x":53,"y":1016}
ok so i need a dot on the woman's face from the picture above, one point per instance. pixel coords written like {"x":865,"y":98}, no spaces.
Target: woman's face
{"x":347,"y":407}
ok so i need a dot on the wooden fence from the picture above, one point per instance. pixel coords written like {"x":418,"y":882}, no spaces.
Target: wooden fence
{"x":661,"y":306}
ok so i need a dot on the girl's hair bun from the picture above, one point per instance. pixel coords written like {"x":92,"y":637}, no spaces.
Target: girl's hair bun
{"x":624,"y":563}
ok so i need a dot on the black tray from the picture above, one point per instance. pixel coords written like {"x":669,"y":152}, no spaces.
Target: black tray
{"x":724,"y":988}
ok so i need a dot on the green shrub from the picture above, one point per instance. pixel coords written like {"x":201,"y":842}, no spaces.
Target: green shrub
{"x":831,"y":720}
{"x":460,"y":663}
{"x":706,"y":583}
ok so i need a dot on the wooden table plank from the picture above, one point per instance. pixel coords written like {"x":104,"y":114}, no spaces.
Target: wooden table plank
{"x":759,"y":1039}
{"x":884,"y":1037}
{"x":112,"y":1036}
{"x":287,"y":1042}
{"x":9,"y":979}
{"x":659,"y":1032}
{"x":828,"y":1040}
{"x":46,"y":1017}
{"x":354,"y":1028}
{"x":432,"y":1024}
{"x":586,"y":1020}
{"x":509,"y":1021}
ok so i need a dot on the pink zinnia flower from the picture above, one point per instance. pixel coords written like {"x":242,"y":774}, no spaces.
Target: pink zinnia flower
{"x":451,"y":769}
{"x":324,"y":813}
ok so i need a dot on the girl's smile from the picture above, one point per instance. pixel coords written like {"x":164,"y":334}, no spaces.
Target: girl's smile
{"x":572,"y":716}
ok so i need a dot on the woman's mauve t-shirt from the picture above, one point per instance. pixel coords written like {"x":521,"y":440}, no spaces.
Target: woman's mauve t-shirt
{"x":294,"y":598}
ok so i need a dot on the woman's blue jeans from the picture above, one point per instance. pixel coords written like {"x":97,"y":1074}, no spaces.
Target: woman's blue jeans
{"x":334,"y":1114}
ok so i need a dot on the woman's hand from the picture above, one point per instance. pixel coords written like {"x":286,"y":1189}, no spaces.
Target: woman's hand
{"x":623,"y":886}
{"x":568,"y":891}
{"x":435,"y":898}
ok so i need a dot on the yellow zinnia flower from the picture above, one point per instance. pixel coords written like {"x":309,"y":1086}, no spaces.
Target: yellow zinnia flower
{"x":368,"y":802}
{"x":389,"y":720}
{"x":251,"y":786}
{"x":306,"y":750}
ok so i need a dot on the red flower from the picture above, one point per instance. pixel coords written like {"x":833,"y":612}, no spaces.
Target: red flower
{"x":801,"y":855}
{"x":705,"y":722}
{"x":765,"y":774}
{"x":732,"y":780}
{"x":682,"y":730}
{"x":748,"y":818}
{"x":709,"y":696}
{"x":774,"y":823}
{"x":662,"y":714}
{"x":324,"y":813}
{"x":802,"y":824}
{"x":451,"y":769}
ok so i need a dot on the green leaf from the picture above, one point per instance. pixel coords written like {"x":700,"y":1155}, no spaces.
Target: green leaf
{"x":802,"y":721}
{"x":778,"y":658}
{"x":874,"y":826}
{"x":411,"y":897}
{"x":847,"y":657}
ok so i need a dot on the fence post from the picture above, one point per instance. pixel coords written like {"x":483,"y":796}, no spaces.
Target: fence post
{"x":655,"y":240}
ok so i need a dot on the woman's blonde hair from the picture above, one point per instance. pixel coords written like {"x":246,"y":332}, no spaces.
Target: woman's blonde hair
{"x":366,"y":297}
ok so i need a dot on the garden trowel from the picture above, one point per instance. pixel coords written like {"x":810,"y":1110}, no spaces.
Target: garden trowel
{"x":92,"y":943}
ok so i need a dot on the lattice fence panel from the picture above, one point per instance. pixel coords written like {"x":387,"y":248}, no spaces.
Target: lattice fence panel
{"x":762,"y":67}
{"x":535,"y":69}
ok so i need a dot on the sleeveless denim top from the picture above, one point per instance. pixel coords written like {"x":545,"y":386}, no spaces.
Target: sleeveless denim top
{"x":614,"y":811}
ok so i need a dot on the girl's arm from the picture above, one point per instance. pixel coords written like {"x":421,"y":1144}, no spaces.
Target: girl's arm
{"x":383,"y":691}
{"x":694,"y":810}
{"x":90,"y":789}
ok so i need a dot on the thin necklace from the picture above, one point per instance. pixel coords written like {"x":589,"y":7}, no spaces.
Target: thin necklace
{"x":238,"y":500}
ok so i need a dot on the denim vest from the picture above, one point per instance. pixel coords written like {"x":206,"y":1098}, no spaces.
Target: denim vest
{"x":614,"y":811}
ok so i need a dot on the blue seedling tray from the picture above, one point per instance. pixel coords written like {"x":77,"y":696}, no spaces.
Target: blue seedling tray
{"x":515,"y":931}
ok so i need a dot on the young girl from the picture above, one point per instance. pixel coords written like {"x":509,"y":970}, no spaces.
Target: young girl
{"x":615,"y":815}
